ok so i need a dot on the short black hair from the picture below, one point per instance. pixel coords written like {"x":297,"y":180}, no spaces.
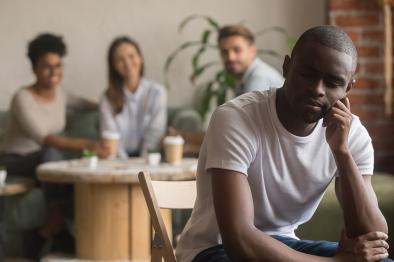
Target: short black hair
{"x":330,"y":36}
{"x":45,"y":43}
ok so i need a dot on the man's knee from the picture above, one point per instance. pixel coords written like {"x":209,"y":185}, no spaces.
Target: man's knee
{"x":212,"y":254}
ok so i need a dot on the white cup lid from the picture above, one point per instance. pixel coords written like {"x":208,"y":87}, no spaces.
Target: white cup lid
{"x":110,"y":135}
{"x":174,"y":140}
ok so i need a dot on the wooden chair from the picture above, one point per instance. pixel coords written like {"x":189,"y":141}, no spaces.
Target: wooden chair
{"x":165,"y":194}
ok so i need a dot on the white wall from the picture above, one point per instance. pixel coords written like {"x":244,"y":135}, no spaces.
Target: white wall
{"x":88,"y":27}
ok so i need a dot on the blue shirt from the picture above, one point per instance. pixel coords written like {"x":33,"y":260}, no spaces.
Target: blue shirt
{"x":259,"y":76}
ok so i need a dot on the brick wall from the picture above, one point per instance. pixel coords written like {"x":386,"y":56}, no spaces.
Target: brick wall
{"x":363,"y":20}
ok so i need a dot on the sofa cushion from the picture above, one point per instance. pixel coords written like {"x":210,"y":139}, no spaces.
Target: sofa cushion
{"x":326,"y":224}
{"x":82,"y":124}
{"x":3,"y":124}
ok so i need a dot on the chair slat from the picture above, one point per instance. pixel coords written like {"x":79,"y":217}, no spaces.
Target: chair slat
{"x":175,"y":194}
{"x":165,"y":194}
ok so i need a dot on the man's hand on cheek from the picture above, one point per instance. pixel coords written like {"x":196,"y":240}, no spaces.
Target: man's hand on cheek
{"x":338,"y":120}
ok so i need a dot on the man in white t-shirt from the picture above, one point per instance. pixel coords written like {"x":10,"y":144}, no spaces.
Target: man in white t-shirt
{"x":239,"y":56}
{"x":268,"y":157}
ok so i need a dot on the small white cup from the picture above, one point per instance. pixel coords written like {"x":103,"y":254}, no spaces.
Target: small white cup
{"x":153,"y":159}
{"x":3,"y":176}
{"x":92,"y":161}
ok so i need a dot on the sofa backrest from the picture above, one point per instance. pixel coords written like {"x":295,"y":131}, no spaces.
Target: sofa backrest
{"x":86,"y":123}
{"x":3,"y":124}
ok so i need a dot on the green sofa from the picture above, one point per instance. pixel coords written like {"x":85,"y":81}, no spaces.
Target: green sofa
{"x":327,"y":221}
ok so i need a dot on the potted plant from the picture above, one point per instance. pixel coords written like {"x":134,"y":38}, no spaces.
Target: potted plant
{"x":217,"y":88}
{"x":90,"y":157}
{"x":153,"y":157}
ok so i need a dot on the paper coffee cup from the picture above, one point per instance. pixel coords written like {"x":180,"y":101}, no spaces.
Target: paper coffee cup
{"x":173,"y":149}
{"x":111,"y":140}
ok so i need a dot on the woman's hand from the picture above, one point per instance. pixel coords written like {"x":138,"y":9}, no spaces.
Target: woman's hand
{"x":102,"y":150}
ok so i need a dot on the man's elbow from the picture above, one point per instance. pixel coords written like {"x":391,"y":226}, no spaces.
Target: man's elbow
{"x":378,"y":223}
{"x":383,"y":227}
{"x":238,"y":246}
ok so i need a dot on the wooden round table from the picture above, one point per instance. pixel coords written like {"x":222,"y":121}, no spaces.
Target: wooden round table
{"x":16,"y":185}
{"x":112,"y":221}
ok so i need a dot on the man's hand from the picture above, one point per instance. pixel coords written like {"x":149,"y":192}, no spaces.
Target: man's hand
{"x":369,"y":247}
{"x":338,"y":120}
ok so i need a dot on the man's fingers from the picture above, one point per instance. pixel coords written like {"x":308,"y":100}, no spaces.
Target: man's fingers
{"x":343,"y":104}
{"x":377,"y":235}
{"x":379,"y":257}
{"x":378,"y":244}
{"x":337,"y":120}
{"x":346,"y":102}
{"x":379,"y":250}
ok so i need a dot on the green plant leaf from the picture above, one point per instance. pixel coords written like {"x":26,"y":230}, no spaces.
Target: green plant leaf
{"x":229,"y":80}
{"x":196,"y":57}
{"x":88,"y":153}
{"x":206,"y":99}
{"x":205,"y":36}
{"x":221,"y":94}
{"x":218,"y":86}
{"x":172,"y":56}
{"x":291,"y":41}
{"x":198,"y":71}
{"x":209,"y":20}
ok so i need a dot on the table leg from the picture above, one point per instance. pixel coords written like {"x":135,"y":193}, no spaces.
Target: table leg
{"x":102,"y":221}
{"x":112,"y":222}
{"x":140,"y":228}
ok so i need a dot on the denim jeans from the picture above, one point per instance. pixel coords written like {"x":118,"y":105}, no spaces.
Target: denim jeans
{"x":317,"y":248}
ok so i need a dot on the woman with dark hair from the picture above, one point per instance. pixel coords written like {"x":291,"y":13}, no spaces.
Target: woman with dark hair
{"x":132,"y":106}
{"x":38,"y":113}
{"x":37,"y":117}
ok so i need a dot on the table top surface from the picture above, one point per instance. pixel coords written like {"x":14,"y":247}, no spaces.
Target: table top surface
{"x":16,"y":185}
{"x":114,"y":171}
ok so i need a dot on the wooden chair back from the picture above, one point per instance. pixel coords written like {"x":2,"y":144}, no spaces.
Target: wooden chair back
{"x":165,"y":194}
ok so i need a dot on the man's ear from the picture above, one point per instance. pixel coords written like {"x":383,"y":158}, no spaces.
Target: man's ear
{"x":253,"y":49}
{"x":286,"y":66}
{"x":350,"y":85}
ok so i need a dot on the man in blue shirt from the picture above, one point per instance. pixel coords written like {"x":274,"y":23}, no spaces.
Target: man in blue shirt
{"x":238,"y":52}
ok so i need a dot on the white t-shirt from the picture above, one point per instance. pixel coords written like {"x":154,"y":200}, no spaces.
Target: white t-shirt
{"x":287,"y":174}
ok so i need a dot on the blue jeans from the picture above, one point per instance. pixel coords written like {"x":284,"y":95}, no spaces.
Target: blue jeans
{"x":317,"y":248}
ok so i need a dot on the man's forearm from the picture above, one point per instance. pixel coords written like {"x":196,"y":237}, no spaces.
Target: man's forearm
{"x":358,"y":201}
